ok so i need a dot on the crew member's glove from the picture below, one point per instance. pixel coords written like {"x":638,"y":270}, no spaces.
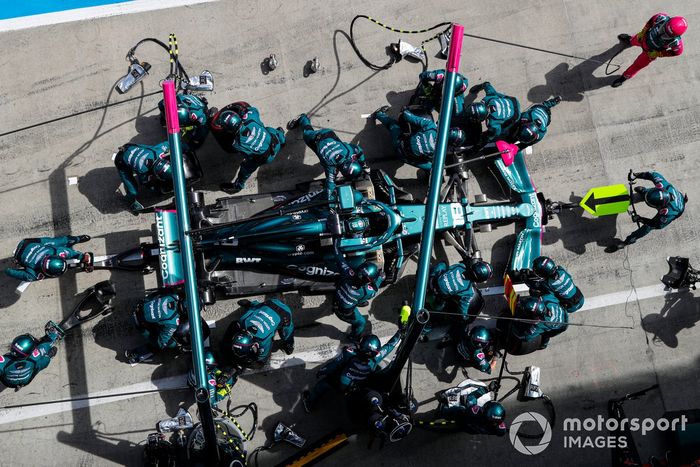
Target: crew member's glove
{"x":83,"y":238}
{"x":135,"y":207}
{"x":53,"y":331}
{"x":476,"y":88}
{"x":87,"y":262}
{"x":636,"y":217}
{"x":288,"y":346}
{"x":494,"y":386}
{"x":52,"y":352}
{"x":632,"y":176}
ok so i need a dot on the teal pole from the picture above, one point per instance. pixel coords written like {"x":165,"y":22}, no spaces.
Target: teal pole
{"x":428,"y":235}
{"x":388,"y":380}
{"x":187,"y":254}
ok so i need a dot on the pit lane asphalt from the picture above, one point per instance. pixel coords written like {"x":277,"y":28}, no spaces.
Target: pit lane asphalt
{"x":597,"y":134}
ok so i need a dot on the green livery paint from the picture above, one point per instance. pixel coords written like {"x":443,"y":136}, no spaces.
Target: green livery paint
{"x":528,"y":243}
{"x":606,"y":200}
{"x":169,"y":257}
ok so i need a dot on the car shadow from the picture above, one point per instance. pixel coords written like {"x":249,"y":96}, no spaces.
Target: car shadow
{"x":572,"y":83}
{"x":578,"y":230}
{"x":116,"y":331}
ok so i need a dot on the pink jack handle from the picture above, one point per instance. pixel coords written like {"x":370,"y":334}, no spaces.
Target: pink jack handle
{"x":455,"y":48}
{"x":170,"y":99}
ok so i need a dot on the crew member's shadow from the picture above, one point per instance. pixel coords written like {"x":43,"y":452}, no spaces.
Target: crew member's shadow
{"x":387,"y":304}
{"x":149,"y":130}
{"x":289,"y":169}
{"x":572,"y":83}
{"x":8,"y":296}
{"x":102,"y":188}
{"x":680,"y":311}
{"x":375,"y":141}
{"x":578,"y":230}
{"x":439,"y":359}
{"x":306,"y":318}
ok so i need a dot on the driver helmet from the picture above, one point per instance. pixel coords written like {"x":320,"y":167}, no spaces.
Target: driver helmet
{"x":480,"y":336}
{"x":368,"y":272}
{"x":370,"y":345}
{"x":478,"y":112}
{"x":675,"y":26}
{"x":494,"y":412}
{"x":544,"y":267}
{"x":244,"y":346}
{"x":357,"y":225}
{"x":22,"y":346}
{"x":530,"y":307}
{"x":53,"y":266}
{"x":351,"y":169}
{"x":657,"y":198}
{"x":528,"y":132}
{"x":163,"y":170}
{"x":479,"y":271}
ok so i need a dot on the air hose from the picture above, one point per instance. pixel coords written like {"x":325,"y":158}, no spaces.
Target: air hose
{"x":392,"y":60}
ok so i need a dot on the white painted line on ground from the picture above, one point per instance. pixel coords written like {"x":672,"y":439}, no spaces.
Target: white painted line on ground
{"x":619,"y":298}
{"x":320,"y":354}
{"x":25,"y":413}
{"x":78,"y":14}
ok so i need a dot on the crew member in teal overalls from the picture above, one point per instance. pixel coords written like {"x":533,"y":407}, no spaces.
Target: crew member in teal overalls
{"x":27,"y":357}
{"x":238,"y":129}
{"x":149,"y":166}
{"x":554,"y":279}
{"x":335,"y":155}
{"x":248,"y":341}
{"x":414,"y":138}
{"x":46,"y":257}
{"x":500,"y":112}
